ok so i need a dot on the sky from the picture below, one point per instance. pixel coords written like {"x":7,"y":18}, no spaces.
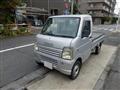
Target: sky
{"x":117,"y":8}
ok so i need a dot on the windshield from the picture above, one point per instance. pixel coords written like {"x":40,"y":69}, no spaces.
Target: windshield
{"x":61,"y":27}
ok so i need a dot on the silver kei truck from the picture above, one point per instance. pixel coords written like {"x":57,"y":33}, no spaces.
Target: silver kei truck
{"x":66,"y":42}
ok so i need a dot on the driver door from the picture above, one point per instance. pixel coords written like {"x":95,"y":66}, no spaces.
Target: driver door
{"x":85,"y":39}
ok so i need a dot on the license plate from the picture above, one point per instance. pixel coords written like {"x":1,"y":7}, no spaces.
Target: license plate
{"x":48,"y":65}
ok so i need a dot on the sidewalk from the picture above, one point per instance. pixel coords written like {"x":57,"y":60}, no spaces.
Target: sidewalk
{"x":113,"y":79}
{"x":89,"y":75}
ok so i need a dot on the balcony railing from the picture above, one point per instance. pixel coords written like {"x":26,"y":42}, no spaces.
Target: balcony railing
{"x":100,"y":8}
{"x":108,"y":3}
{"x":95,"y":1}
{"x":100,"y":15}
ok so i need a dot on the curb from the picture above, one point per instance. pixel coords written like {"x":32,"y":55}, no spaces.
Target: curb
{"x":21,"y":84}
{"x":116,"y":31}
{"x":101,"y":80}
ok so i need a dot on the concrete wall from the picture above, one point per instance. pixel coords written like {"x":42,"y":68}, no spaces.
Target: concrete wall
{"x":83,"y":6}
{"x":97,"y":21}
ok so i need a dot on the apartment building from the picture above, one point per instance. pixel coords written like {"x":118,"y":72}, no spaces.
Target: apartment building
{"x":98,"y":9}
{"x":54,"y":7}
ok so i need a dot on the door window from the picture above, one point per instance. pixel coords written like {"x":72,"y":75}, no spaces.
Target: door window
{"x":86,"y":30}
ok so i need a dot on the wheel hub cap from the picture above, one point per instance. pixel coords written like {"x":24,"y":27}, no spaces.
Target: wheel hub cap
{"x":76,"y":70}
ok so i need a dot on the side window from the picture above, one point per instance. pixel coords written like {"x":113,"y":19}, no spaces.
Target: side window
{"x":86,"y":30}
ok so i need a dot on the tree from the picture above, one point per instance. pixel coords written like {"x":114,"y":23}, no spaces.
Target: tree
{"x":106,"y":19}
{"x":7,"y":12}
{"x":7,"y":8}
{"x":114,"y":20}
{"x":75,"y":7}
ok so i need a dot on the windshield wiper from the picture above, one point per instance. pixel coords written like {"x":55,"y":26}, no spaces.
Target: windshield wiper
{"x":57,"y":35}
{"x":66,"y":36}
{"x":50,"y":34}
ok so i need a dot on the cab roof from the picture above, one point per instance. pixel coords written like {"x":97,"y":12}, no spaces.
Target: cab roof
{"x":81,"y":15}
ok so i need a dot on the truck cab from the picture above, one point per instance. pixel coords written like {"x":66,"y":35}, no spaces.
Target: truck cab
{"x":65,"y":42}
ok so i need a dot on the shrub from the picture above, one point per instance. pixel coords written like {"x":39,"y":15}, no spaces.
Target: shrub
{"x":23,"y":29}
{"x":106,"y":19}
{"x":114,"y":20}
{"x":1,"y":29}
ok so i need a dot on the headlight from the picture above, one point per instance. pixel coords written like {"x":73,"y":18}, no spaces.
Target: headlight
{"x":36,"y":47}
{"x":67,"y":53}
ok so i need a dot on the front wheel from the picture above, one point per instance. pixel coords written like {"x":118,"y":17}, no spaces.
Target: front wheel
{"x":75,"y":70}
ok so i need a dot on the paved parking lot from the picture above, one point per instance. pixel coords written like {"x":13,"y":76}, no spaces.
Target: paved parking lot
{"x":90,"y":73}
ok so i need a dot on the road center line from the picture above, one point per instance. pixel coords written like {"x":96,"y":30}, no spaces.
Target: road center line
{"x":10,"y":49}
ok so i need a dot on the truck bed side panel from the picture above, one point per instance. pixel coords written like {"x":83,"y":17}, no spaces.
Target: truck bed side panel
{"x":97,"y":38}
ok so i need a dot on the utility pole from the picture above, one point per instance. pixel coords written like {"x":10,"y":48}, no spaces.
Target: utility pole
{"x":48,"y":6}
{"x":72,"y":4}
{"x":118,"y":21}
{"x":30,"y":3}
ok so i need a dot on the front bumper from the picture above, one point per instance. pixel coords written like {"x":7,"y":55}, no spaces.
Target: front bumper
{"x":64,"y":66}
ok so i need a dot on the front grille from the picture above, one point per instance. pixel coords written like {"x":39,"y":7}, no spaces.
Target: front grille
{"x":54,"y":62}
{"x":49,"y":51}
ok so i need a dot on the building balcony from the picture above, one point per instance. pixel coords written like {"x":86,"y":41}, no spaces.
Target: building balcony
{"x":97,"y":15}
{"x":106,"y":2}
{"x":100,"y":15}
{"x":95,"y":1}
{"x":99,"y":8}
{"x":95,"y":8}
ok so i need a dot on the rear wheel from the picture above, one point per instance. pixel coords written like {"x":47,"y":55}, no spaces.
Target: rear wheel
{"x":97,"y":49}
{"x":75,"y":70}
{"x":39,"y":63}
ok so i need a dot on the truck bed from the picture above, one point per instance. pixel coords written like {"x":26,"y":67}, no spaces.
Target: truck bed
{"x":97,"y":38}
{"x":96,"y":35}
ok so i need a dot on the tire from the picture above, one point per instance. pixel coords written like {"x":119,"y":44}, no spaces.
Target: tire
{"x":39,"y":63}
{"x":75,"y":70}
{"x":97,"y":49}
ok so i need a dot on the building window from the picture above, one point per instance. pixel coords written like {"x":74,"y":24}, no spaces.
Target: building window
{"x":92,"y":5}
{"x":90,"y":12}
{"x":54,"y":11}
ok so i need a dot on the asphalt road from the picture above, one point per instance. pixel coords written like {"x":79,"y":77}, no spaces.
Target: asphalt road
{"x":16,"y":63}
{"x":17,"y":41}
{"x":19,"y":62}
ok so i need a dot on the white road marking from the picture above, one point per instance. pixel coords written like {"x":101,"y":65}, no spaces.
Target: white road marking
{"x":10,"y":49}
